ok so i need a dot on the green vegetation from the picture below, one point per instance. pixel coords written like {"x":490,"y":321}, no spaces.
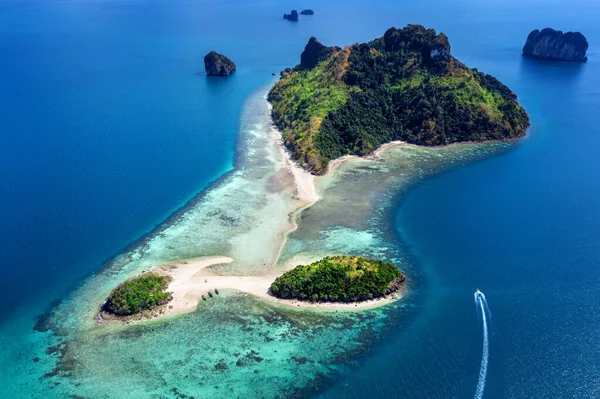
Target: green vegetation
{"x":138,"y":294}
{"x":339,"y":278}
{"x":402,"y":86}
{"x":304,"y":98}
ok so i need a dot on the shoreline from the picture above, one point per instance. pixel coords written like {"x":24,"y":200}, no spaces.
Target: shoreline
{"x":191,"y":279}
{"x":305,"y":183}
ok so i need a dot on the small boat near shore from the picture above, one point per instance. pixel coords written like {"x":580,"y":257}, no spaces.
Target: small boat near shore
{"x":203,"y":297}
{"x":217,"y":291}
{"x":210,"y":294}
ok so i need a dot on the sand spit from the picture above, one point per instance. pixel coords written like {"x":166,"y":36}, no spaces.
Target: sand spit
{"x":191,"y":279}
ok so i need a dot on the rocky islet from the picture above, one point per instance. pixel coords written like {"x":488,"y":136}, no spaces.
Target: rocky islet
{"x":551,"y":44}
{"x":217,"y":64}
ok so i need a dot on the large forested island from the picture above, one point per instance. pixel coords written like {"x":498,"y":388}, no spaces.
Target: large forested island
{"x":402,"y":86}
{"x":339,"y":279}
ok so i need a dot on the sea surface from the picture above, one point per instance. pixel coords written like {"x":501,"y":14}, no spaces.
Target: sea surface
{"x":108,"y":127}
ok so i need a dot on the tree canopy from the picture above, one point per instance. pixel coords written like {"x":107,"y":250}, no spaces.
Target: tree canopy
{"x":339,"y":278}
{"x":403,"y":86}
{"x":138,"y":294}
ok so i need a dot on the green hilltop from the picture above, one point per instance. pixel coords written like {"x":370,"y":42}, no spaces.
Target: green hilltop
{"x":403,"y":86}
{"x":339,"y":278}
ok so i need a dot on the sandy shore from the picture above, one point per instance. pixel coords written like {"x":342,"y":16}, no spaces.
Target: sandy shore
{"x":333,"y":165}
{"x":191,"y":280}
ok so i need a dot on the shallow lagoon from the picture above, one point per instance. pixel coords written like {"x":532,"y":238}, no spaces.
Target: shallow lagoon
{"x":430,"y":342}
{"x":235,"y":344}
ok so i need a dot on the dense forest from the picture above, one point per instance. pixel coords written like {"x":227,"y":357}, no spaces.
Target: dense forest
{"x":138,"y":294}
{"x":339,"y":278}
{"x":402,"y":86}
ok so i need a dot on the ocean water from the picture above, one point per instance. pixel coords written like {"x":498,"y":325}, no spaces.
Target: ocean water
{"x":108,"y":129}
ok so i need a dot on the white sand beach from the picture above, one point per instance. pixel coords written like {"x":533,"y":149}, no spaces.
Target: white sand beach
{"x":191,"y":279}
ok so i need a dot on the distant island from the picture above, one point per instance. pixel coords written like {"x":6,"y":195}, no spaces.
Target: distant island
{"x":553,"y":44}
{"x":293,"y":16}
{"x":137,"y":295}
{"x":339,"y":279}
{"x":403,"y":86}
{"x":217,"y":64}
{"x":308,"y":11}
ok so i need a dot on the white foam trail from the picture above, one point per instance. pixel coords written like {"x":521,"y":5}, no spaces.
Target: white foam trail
{"x":486,"y":306}
{"x":485,"y":354}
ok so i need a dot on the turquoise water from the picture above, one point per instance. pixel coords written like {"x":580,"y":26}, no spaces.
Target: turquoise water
{"x":110,"y":129}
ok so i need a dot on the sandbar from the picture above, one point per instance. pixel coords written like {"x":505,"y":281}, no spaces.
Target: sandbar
{"x":191,"y":279}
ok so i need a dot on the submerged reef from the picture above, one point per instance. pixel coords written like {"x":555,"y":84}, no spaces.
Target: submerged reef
{"x":217,"y":64}
{"x":553,"y":44}
{"x":403,"y":86}
{"x":270,"y":351}
{"x":339,"y":278}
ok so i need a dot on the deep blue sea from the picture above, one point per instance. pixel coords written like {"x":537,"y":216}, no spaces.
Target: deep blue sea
{"x":108,"y":126}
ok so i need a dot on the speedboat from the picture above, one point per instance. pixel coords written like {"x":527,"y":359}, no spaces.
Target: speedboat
{"x":479,"y":293}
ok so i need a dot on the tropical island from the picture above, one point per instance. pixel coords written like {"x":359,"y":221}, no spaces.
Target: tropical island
{"x":339,"y":279}
{"x":403,"y":86}
{"x":339,"y":282}
{"x":551,"y":44}
{"x":138,"y":294}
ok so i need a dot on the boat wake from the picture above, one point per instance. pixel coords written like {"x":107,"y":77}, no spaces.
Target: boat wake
{"x":481,"y":303}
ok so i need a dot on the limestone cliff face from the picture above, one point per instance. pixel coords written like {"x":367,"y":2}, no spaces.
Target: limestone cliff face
{"x":314,"y":52}
{"x":218,"y":65}
{"x":440,"y":48}
{"x":555,"y":45}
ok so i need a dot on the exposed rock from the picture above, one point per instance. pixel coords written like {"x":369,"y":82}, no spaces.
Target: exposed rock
{"x":218,"y":65}
{"x":293,"y":16}
{"x":308,"y":11}
{"x":395,"y":285}
{"x":440,"y":48}
{"x":313,"y":53}
{"x":553,"y":44}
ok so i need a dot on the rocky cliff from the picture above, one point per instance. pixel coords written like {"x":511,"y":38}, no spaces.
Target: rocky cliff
{"x":555,"y":45}
{"x":293,"y":16}
{"x":218,"y":65}
{"x":314,"y":52}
